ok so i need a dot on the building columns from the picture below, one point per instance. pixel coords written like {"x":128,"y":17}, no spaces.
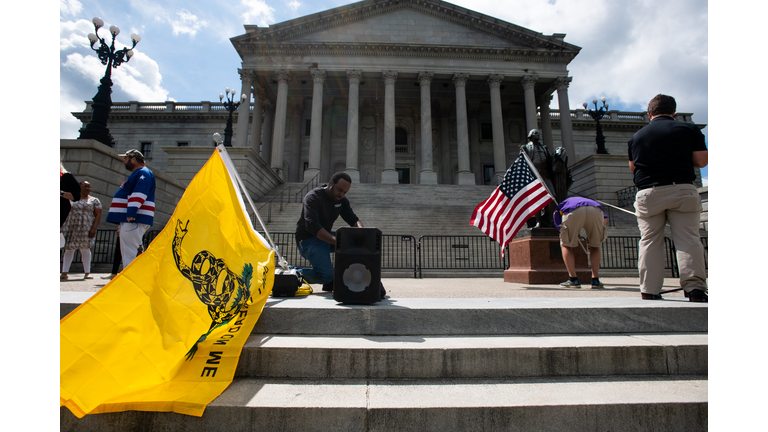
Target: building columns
{"x":316,"y":122}
{"x":295,"y":167}
{"x":499,"y":158}
{"x":389,"y":174}
{"x":353,"y":120}
{"x":244,"y":110}
{"x":266,"y":133}
{"x":546,"y":122}
{"x":529,"y":82}
{"x":278,"y":132}
{"x":257,"y":113}
{"x":462,"y":129}
{"x":566,"y":128}
{"x":427,"y":174}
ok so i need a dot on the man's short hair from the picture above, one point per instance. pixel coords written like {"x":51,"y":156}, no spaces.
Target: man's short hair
{"x":662,"y":105}
{"x":341,"y":176}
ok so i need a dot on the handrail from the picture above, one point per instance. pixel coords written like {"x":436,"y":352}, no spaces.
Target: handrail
{"x":269,"y":203}
{"x":313,"y":182}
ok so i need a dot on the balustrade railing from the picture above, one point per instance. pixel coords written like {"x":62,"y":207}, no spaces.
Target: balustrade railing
{"x":626,"y":197}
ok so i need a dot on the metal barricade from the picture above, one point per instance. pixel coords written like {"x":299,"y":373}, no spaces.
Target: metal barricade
{"x":478,"y":252}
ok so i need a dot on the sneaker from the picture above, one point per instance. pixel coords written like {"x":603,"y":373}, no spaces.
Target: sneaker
{"x":569,"y":284}
{"x":597,"y":285}
{"x":698,"y":295}
{"x":328,"y":287}
{"x":647,"y":296}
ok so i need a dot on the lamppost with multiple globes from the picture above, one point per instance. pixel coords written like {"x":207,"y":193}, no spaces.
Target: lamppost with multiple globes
{"x":102,"y":102}
{"x":231,"y":106}
{"x":597,"y":114}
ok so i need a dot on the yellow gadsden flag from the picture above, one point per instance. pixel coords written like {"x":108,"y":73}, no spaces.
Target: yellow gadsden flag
{"x":166,"y":333}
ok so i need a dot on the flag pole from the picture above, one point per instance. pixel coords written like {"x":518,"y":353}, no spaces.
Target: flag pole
{"x":223,"y":151}
{"x":535,"y":171}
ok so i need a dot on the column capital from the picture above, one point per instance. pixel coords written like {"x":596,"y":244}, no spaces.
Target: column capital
{"x":354,"y":76}
{"x":460,"y":79}
{"x":389,"y":76}
{"x":562,"y":83}
{"x":494,"y":80}
{"x":529,"y":81}
{"x":283,"y":75}
{"x":253,"y":75}
{"x":425,"y":78}
{"x":318,"y":75}
{"x":545,"y":99}
{"x":245,"y":75}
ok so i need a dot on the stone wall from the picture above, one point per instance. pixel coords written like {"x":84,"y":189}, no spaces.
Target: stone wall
{"x":101,"y":166}
{"x":259,"y":179}
{"x":600,"y":176}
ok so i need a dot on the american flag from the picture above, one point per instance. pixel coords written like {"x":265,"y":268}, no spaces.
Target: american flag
{"x":519,"y":196}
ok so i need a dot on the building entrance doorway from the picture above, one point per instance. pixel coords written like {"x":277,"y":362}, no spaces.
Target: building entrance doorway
{"x":403,"y":175}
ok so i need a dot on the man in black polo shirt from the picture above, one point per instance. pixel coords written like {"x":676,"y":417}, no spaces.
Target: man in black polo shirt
{"x":321,"y":207}
{"x":662,"y":157}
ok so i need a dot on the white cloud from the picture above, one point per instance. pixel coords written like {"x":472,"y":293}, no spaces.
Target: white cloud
{"x":294,"y":5}
{"x":258,"y":12}
{"x":69,"y":7}
{"x":705,"y":181}
{"x":187,"y":23}
{"x":81,"y":71}
{"x":630,"y":50}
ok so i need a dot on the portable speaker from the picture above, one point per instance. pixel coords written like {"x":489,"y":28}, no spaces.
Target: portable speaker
{"x":357,"y":271}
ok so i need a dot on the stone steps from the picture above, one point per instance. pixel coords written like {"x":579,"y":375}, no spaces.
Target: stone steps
{"x":642,"y":403}
{"x":456,"y":364}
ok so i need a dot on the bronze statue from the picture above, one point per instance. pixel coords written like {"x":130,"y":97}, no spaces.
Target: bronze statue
{"x":554,"y":172}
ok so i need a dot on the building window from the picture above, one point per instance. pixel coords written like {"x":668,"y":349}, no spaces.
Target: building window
{"x":401,"y":140}
{"x":182,"y":144}
{"x":308,"y":128}
{"x":146,"y":150}
{"x":306,"y":166}
{"x":486,"y":131}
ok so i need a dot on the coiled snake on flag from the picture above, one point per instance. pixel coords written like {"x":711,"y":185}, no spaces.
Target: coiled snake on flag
{"x":224,"y":296}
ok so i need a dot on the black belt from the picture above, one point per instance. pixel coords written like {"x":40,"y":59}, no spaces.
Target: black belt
{"x":664,"y":184}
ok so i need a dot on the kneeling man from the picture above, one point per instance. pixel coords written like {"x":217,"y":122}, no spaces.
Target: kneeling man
{"x":321,"y":207}
{"x":570,"y":217}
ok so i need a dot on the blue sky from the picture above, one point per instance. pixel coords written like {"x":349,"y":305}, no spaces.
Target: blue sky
{"x":631,"y":50}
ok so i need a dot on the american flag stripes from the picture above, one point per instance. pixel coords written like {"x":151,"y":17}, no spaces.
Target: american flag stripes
{"x":519,"y":196}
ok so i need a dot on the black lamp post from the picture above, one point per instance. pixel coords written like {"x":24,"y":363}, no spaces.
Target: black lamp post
{"x":102,"y":103}
{"x":231,"y":106}
{"x":597,"y":114}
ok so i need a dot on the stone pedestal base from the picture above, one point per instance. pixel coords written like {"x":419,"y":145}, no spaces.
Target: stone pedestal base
{"x":427,"y":177}
{"x":466,"y":178}
{"x":389,"y":177}
{"x":538,"y":259}
{"x":354,"y":175}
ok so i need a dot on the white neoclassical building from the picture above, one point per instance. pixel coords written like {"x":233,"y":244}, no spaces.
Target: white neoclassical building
{"x":389,"y":91}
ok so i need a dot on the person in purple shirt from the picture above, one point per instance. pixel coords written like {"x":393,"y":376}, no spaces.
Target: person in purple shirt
{"x":571,"y":215}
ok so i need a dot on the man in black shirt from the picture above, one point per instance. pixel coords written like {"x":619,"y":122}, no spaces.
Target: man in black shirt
{"x":662,"y":157}
{"x":321,"y":207}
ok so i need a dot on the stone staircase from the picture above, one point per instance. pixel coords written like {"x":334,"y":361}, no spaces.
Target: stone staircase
{"x":564,"y":364}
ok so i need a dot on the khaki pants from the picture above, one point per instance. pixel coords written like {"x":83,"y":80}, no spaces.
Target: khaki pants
{"x":680,"y":205}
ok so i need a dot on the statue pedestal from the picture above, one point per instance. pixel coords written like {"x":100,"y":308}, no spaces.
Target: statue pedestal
{"x":536,"y":258}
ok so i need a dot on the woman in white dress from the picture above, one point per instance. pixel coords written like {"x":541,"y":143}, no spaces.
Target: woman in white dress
{"x":80,"y":230}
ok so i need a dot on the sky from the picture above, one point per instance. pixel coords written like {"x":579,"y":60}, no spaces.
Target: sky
{"x":631,"y":50}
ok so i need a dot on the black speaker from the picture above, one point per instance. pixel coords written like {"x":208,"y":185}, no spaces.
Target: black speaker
{"x":357,"y":271}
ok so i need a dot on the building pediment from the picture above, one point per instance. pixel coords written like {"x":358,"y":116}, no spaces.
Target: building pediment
{"x":404,"y":26}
